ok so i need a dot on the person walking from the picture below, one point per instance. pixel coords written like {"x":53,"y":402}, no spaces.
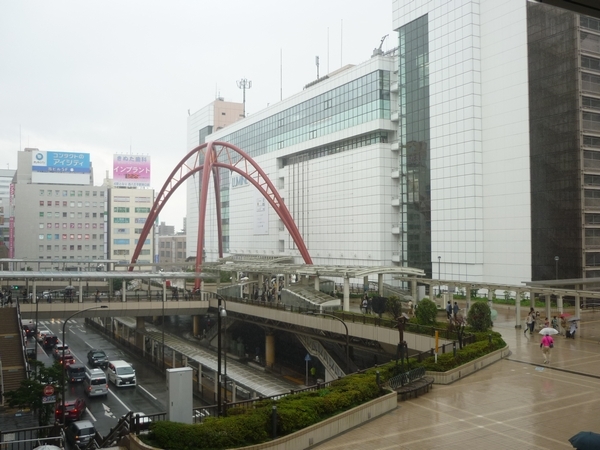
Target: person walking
{"x":546,"y":344}
{"x":97,"y":296}
{"x":449,"y":310}
{"x":572,"y":329}
{"x":529,"y":322}
{"x":365,"y":304}
{"x":456,"y":309}
{"x":555,"y":323}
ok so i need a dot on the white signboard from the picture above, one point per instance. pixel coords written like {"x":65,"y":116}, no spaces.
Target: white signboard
{"x":261,"y":214}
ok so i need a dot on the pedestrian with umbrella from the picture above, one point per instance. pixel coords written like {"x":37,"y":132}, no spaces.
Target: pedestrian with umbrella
{"x":572,"y":327}
{"x":547,"y":342}
{"x":585,"y":440}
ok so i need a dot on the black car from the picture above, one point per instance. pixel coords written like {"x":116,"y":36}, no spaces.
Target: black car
{"x":49,"y":341}
{"x":97,"y":358}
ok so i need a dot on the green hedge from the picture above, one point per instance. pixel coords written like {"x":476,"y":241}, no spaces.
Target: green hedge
{"x":244,"y":427}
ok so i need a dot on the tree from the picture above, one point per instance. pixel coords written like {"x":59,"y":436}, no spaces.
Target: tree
{"x":30,"y":393}
{"x":458,"y":324}
{"x":426,"y":312}
{"x":394,"y":306}
{"x":480,"y":316}
{"x":117,"y":284}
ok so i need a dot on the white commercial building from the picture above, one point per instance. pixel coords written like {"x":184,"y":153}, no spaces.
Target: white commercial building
{"x":469,"y":151}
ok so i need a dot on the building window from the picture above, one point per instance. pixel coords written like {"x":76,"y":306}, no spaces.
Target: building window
{"x":41,"y":202}
{"x":41,"y":225}
{"x":79,"y":247}
{"x":79,"y":236}
{"x":71,"y":236}
{"x":64,"y":204}
{"x":71,"y":247}
{"x":49,"y":237}
{"x":49,"y":203}
{"x":64,"y":236}
{"x":41,"y":237}
{"x":72,"y":194}
{"x":41,"y":192}
{"x":121,"y":241}
{"x":121,"y":209}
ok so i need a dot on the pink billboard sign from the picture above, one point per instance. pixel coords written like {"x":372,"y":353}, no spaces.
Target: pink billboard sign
{"x":131,"y":171}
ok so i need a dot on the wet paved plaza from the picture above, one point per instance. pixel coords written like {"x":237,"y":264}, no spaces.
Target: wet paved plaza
{"x":515,"y":403}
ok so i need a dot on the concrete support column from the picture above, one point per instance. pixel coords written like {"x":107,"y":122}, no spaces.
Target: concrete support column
{"x":413,"y":291}
{"x":380,"y":284}
{"x":174,"y":353}
{"x":366,"y":284}
{"x":317,"y":283}
{"x":532,"y":300}
{"x":518,"y":309}
{"x":80,"y":291}
{"x":139,"y":332}
{"x":196,"y":326}
{"x":548,"y":307}
{"x":577,"y":306}
{"x":233,"y":392}
{"x":346,"y":301}
{"x":34,"y":294}
{"x":200,"y":378}
{"x":184,"y":360}
{"x":153,"y":350}
{"x":124,"y":291}
{"x":559,"y":304}
{"x":269,"y":349}
{"x":164,"y":291}
{"x":216,"y":376}
{"x":467,"y":299}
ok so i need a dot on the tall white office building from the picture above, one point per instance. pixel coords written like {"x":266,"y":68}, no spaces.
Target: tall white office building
{"x":469,"y":151}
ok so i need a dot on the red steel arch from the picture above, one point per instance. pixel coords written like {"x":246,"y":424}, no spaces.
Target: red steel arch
{"x":206,"y":159}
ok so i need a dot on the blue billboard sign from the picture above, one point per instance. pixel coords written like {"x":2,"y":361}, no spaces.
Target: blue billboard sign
{"x":61,"y":162}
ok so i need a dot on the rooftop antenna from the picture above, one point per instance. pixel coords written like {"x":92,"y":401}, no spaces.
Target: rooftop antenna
{"x":317,"y":63}
{"x":341,"y":41}
{"x":244,"y":84}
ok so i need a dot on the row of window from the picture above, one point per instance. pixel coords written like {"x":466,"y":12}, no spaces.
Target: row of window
{"x":126,"y":220}
{"x":128,"y":241}
{"x":126,"y":230}
{"x":65,"y":236}
{"x":71,"y":248}
{"x":125,"y":209}
{"x":72,"y":214}
{"x":126,"y":199}
{"x":67,"y":225}
{"x":126,"y":252}
{"x":66,"y":193}
{"x":72,"y":204}
{"x":167,"y":244}
{"x":167,"y":254}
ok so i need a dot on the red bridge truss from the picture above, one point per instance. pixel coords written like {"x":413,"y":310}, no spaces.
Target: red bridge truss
{"x":206,"y":159}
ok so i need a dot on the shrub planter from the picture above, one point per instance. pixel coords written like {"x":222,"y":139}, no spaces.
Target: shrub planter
{"x":451,"y":376}
{"x":318,"y":432}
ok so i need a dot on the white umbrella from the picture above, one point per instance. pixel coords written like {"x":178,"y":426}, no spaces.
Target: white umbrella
{"x":47,"y":447}
{"x":573,"y":319}
{"x":548,"y":330}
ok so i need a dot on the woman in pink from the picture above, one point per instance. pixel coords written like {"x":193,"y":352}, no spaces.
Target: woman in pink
{"x":546,"y":344}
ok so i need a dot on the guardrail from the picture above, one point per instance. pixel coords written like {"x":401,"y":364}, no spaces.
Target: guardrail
{"x":405,"y":378}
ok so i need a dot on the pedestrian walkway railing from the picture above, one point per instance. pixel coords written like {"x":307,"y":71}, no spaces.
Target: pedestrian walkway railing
{"x":405,"y":378}
{"x":365,"y":319}
{"x":28,"y":438}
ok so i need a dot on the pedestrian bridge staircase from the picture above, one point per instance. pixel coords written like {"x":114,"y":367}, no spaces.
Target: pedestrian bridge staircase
{"x":12,"y":351}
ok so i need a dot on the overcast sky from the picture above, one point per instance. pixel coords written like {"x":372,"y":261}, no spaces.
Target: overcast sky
{"x":104,"y":77}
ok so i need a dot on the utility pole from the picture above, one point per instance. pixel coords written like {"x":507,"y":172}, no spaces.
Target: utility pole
{"x":244,"y":84}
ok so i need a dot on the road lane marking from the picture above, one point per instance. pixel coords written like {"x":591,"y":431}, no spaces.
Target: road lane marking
{"x":91,"y":415}
{"x":146,"y":391}
{"x":119,"y":400}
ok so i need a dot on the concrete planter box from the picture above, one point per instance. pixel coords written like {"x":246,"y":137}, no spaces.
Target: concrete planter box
{"x":318,"y":432}
{"x":451,"y":376}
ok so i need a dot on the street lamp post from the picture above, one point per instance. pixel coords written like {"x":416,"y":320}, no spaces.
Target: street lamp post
{"x":63,"y":358}
{"x":556,"y":264}
{"x":312,"y":313}
{"x":439,"y":275}
{"x":222,"y":313}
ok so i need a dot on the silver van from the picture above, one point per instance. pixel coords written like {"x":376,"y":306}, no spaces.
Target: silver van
{"x":94,"y":383}
{"x":120,"y":373}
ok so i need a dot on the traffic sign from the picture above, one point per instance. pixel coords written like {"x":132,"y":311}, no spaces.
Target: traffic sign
{"x":48,"y":399}
{"x":307,"y":357}
{"x":48,"y":390}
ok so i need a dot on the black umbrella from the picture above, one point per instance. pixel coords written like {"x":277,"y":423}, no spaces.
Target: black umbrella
{"x":586,"y":440}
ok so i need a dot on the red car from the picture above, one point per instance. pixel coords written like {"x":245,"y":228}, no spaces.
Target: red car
{"x":75,"y":409}
{"x":67,"y":361}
